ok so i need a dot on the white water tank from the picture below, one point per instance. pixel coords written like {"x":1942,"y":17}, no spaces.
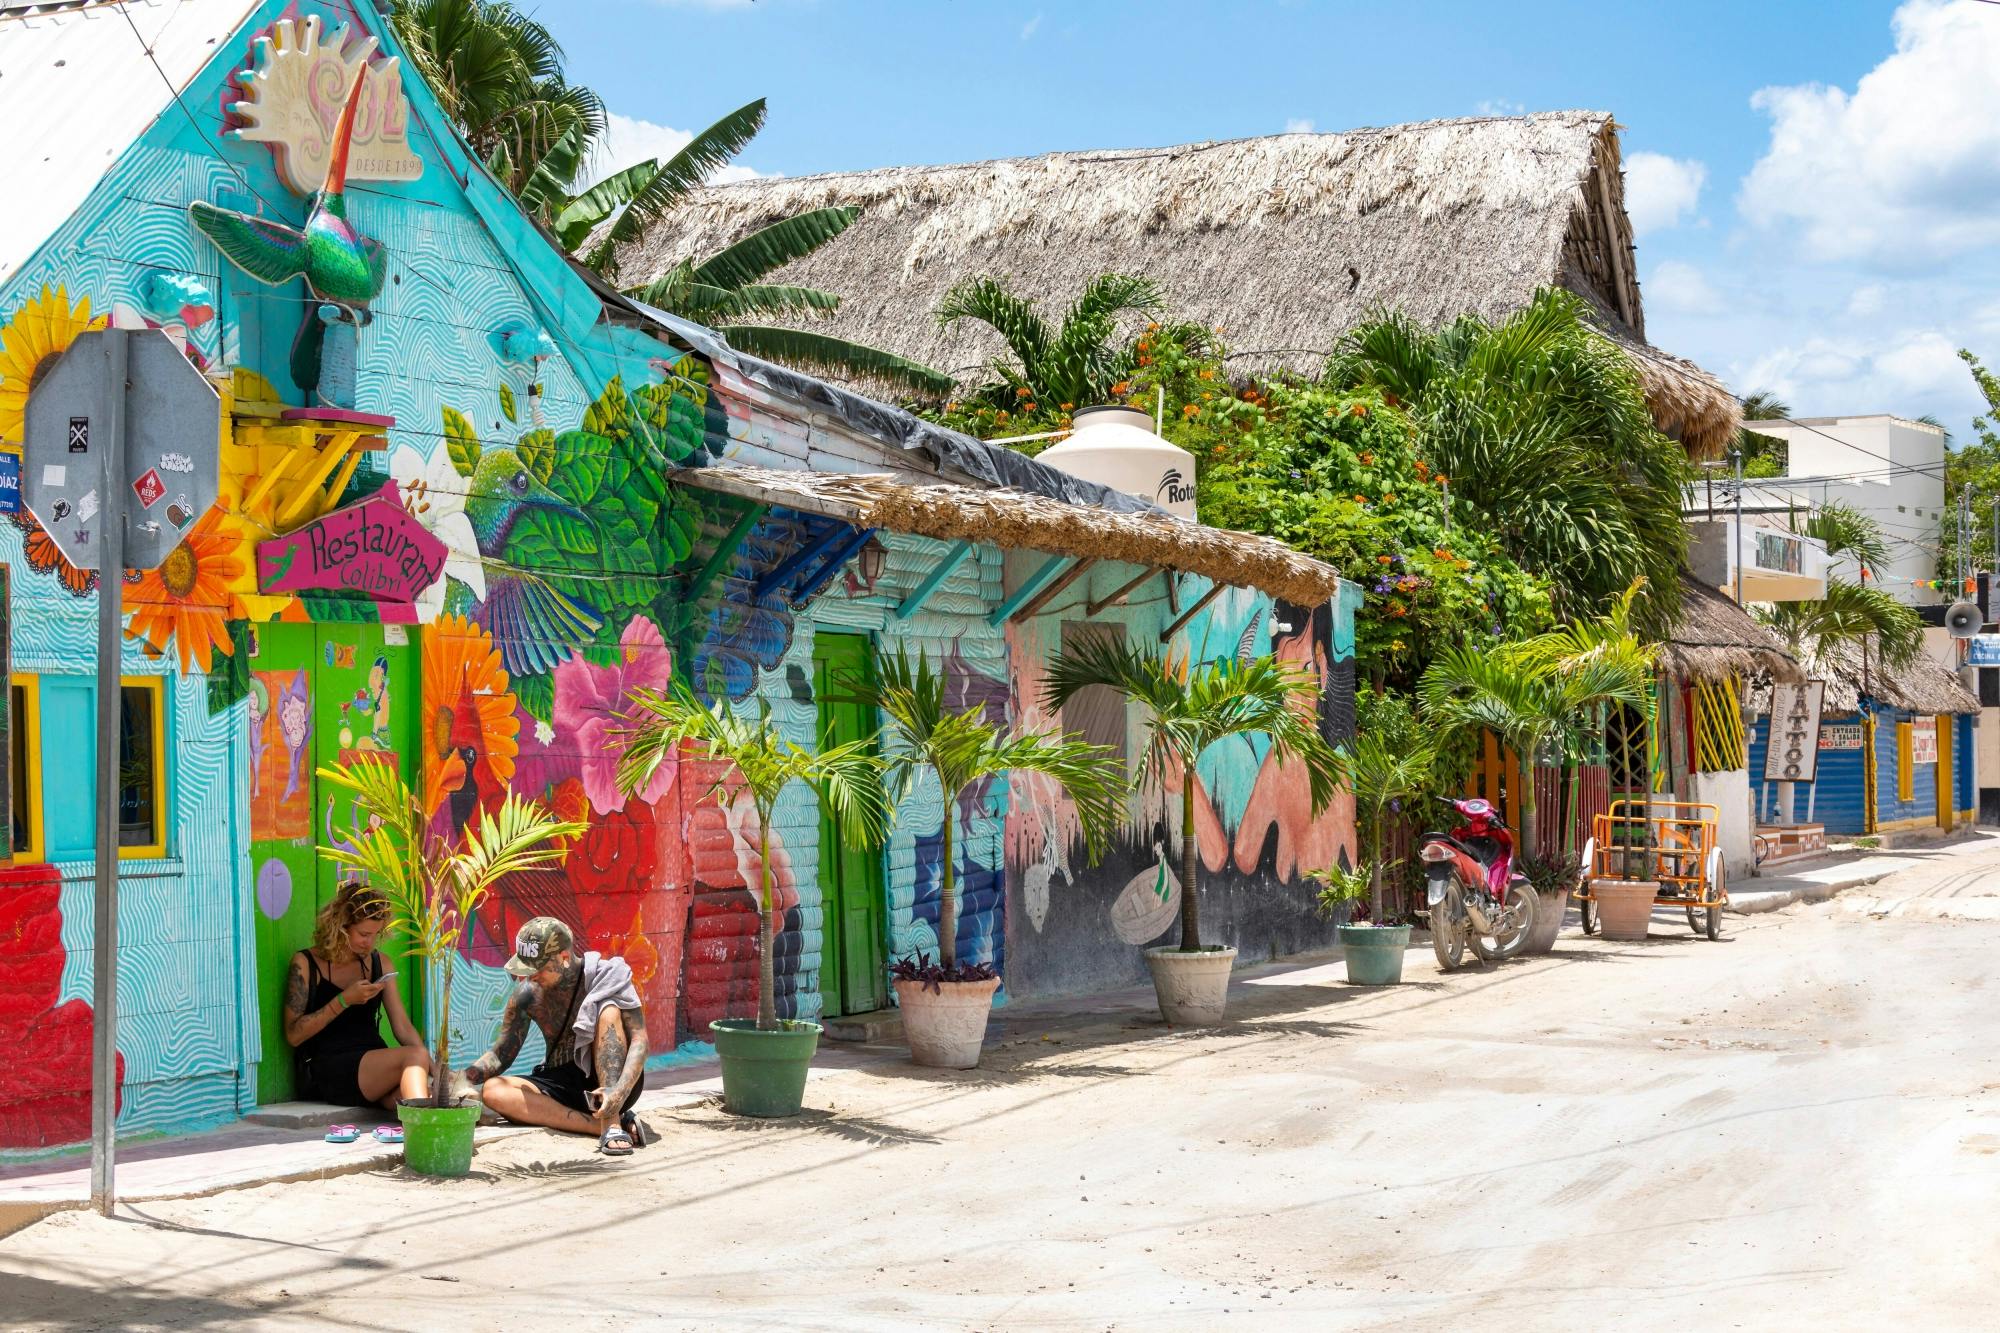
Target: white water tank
{"x":1116,"y":447}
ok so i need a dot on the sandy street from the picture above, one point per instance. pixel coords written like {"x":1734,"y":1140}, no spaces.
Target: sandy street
{"x":1798,"y":1126}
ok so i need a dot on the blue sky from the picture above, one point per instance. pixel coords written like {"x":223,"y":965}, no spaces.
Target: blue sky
{"x":1816,"y":183}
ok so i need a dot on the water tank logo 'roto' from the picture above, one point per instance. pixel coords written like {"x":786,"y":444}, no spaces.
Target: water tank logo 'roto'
{"x":1175,"y":489}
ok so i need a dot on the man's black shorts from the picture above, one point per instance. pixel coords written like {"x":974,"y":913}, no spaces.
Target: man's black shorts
{"x":567,"y":1084}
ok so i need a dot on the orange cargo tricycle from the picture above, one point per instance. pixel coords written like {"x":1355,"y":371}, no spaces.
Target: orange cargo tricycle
{"x":1672,"y":842}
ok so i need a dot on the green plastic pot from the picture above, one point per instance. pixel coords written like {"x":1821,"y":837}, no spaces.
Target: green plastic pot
{"x":764,"y":1073}
{"x":437,"y":1140}
{"x":1374,"y":954}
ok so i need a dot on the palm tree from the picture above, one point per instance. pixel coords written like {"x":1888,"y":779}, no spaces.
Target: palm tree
{"x":1078,"y":361}
{"x":1851,"y":614}
{"x":960,"y":748}
{"x":1543,"y":693}
{"x":499,"y":75}
{"x":1191,"y":709}
{"x":848,"y":778}
{"x":434,"y":888}
{"x":1763,"y":455}
{"x":1542,"y":427}
{"x":1380,"y":772}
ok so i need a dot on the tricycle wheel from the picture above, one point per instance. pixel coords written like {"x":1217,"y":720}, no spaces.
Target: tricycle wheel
{"x":1588,"y":907}
{"x":1694,"y":920}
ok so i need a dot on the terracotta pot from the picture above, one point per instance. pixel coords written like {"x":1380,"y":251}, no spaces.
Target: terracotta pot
{"x":946,"y":1027}
{"x":1624,"y":906}
{"x":1193,"y":987}
{"x":1549,"y":912}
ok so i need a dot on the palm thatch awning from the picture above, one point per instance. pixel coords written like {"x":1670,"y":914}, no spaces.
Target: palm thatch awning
{"x":1286,"y":242}
{"x":1925,"y":686}
{"x":1714,"y":639}
{"x":1007,"y":518}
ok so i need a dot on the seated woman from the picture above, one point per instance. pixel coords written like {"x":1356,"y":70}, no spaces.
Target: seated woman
{"x":332,"y":997}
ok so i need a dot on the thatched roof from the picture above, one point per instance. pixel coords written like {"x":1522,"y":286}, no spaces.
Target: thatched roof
{"x":1285,"y":241}
{"x":1924,"y":686}
{"x":1715,"y":639}
{"x":1009,"y":518}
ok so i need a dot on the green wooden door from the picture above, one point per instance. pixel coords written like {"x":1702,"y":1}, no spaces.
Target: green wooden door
{"x":319,"y":693}
{"x":854,"y":907}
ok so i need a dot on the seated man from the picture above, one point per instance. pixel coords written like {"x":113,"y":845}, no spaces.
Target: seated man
{"x":590,"y":1017}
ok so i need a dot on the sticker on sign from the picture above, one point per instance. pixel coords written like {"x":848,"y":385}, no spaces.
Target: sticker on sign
{"x":149,"y":488}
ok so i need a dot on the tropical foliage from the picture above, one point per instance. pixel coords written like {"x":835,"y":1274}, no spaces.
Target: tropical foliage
{"x":1975,"y":464}
{"x":1190,"y":708}
{"x":1383,"y":770}
{"x":1543,"y":428}
{"x":1763,"y":455}
{"x":1078,"y":362}
{"x":434,"y":886}
{"x":1852,"y":613}
{"x":961,"y":748}
{"x":757,"y":760}
{"x":499,"y":75}
{"x":1543,"y":696}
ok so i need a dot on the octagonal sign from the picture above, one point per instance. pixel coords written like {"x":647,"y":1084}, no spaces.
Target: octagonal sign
{"x":172,"y":423}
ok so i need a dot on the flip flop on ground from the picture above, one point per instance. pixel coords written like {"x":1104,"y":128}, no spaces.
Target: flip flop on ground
{"x":615,"y":1142}
{"x":636,"y":1129}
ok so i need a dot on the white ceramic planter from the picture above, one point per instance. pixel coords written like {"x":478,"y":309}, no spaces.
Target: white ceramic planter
{"x":946,"y":1027}
{"x":1193,"y":987}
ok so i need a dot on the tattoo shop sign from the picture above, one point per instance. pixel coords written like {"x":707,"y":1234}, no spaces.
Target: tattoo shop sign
{"x":373,"y":547}
{"x":1793,"y":752}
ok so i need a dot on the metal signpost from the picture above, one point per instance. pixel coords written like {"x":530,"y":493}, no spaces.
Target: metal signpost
{"x":122,"y":414}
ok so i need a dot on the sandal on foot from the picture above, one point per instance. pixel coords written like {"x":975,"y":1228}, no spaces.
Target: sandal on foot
{"x":636,"y":1128}
{"x":615,"y":1142}
{"x":342,"y":1133}
{"x":388,"y":1133}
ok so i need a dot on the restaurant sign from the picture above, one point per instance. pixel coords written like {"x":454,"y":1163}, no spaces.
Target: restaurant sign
{"x":373,"y":547}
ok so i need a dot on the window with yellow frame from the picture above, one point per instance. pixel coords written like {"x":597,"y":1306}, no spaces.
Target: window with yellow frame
{"x":142,"y":761}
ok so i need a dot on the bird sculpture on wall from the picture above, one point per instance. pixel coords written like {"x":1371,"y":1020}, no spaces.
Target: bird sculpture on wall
{"x":341,"y":267}
{"x":536,"y":626}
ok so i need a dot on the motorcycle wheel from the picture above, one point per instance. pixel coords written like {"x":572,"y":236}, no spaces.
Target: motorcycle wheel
{"x":1520,"y":908}
{"x":1448,"y":934}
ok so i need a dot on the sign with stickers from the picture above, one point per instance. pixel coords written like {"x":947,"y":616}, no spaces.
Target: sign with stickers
{"x":172,"y":420}
{"x":1840,"y":736}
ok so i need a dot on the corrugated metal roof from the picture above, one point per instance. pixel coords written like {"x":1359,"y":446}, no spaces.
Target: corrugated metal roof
{"x":78,"y":85}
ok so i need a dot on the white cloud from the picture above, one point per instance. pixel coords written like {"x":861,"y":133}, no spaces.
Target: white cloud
{"x":1909,"y":373}
{"x":627,"y":140}
{"x":1868,"y":300}
{"x":1659,"y":189}
{"x":1028,"y":28}
{"x":1905,"y":169}
{"x":1680,"y":288}
{"x":1499,"y":106}
{"x":1298,"y":126}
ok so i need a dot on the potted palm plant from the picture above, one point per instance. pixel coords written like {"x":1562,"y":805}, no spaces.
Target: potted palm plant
{"x":764,"y":1062}
{"x":945,"y":1005}
{"x":433,"y":887}
{"x":1191,"y":708}
{"x":1382,"y":769}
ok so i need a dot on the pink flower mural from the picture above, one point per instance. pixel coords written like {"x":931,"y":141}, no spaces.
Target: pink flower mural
{"x":589,"y":700}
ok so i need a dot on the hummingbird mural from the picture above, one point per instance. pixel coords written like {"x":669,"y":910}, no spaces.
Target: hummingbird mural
{"x":340,"y":265}
{"x":535,"y":626}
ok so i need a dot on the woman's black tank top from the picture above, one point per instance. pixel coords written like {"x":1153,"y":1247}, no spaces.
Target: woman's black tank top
{"x":353,"y":1028}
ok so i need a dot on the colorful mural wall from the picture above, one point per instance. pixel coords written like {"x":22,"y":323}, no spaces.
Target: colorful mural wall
{"x":445,"y":538}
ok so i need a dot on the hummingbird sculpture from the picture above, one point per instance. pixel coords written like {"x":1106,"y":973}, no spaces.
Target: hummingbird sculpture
{"x":340,"y":265}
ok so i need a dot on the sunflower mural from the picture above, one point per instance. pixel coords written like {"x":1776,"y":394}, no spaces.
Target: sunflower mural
{"x":469,"y":724}
{"x":31,"y":342}
{"x":187,"y":600}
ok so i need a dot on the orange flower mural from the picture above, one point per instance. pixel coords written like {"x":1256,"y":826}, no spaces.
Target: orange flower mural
{"x":468,"y":719}
{"x":187,"y":599}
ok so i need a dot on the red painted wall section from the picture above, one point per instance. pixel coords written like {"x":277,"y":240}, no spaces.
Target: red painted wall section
{"x":44,"y":1046}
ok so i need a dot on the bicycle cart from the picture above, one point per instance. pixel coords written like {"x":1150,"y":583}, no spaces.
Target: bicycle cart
{"x":1672,"y":842}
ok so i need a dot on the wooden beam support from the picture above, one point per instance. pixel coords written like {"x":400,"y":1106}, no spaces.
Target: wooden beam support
{"x":268,"y":482}
{"x":1191,"y":612}
{"x":308,"y":494}
{"x":1615,"y":252}
{"x":934,"y":580}
{"x":1029,"y":587}
{"x":1092,"y":608}
{"x":810,"y":586}
{"x":331,"y":496}
{"x":725,"y":550}
{"x":1048,"y":594}
{"x":1173,"y":592}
